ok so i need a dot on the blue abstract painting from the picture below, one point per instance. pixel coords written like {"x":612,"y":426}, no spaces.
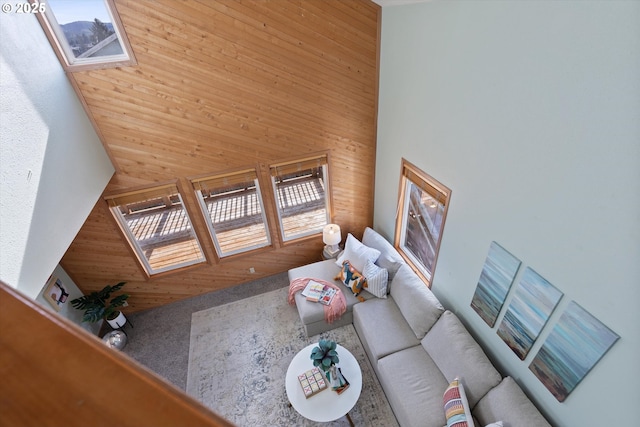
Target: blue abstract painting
{"x":576,"y":343}
{"x":497,"y":275}
{"x":528,"y":311}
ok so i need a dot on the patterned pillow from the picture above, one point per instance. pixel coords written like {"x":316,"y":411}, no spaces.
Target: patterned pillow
{"x":352,"y":278}
{"x":377,"y":279}
{"x":456,"y":407}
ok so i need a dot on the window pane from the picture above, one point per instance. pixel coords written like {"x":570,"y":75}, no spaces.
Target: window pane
{"x":424,"y":216}
{"x":235,"y":216}
{"x":87,"y":27}
{"x":302,"y":201}
{"x":160,"y":231}
{"x":424,"y":204}
{"x":86,"y":31}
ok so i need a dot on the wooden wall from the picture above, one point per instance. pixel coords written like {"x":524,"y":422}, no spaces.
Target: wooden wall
{"x":228,"y":84}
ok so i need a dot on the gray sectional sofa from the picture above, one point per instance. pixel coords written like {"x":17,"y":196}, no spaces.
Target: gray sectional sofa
{"x":417,"y":347}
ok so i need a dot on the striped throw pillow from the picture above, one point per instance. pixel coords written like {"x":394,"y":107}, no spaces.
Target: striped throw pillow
{"x":456,"y":407}
{"x":377,"y":279}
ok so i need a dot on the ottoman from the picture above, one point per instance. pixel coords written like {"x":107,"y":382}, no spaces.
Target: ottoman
{"x":312,"y":313}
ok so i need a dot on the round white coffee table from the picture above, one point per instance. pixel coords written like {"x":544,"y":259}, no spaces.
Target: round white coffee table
{"x":327,"y":405}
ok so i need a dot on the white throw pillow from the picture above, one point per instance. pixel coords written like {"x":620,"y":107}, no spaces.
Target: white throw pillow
{"x":496,"y":424}
{"x":377,"y":279}
{"x":357,"y":254}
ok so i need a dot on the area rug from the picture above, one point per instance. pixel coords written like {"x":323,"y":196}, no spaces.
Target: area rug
{"x":238,"y":358}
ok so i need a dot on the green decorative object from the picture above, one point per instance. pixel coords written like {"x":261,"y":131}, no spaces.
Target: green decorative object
{"x":98,"y":305}
{"x":325,"y":355}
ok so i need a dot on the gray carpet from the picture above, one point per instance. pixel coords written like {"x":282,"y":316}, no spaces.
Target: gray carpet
{"x":159,"y":338}
{"x":241,"y":375}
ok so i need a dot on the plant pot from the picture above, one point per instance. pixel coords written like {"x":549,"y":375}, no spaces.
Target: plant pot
{"x":118,"y":320}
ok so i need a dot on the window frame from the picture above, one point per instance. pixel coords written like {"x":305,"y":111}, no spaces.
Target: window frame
{"x":62,"y":49}
{"x":299,"y":165}
{"x":234,"y":177}
{"x":411,"y":174}
{"x":114,"y":202}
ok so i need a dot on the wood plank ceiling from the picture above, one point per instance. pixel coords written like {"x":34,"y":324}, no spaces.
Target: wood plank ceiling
{"x":230,"y":84}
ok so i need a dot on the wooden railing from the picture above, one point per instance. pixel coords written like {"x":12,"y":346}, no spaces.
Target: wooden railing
{"x":53,"y":373}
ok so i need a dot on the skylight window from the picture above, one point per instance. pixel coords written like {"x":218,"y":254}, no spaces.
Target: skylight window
{"x":85,"y":34}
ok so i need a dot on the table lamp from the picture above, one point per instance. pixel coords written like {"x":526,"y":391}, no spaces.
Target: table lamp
{"x":331,"y":237}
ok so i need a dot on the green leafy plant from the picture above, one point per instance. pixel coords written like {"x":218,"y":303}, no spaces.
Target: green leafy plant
{"x":98,"y":305}
{"x":324,"y":355}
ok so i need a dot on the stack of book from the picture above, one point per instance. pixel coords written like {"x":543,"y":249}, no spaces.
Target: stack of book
{"x":317,"y":292}
{"x":338,"y":382}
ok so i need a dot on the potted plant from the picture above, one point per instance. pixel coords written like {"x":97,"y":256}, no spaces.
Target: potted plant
{"x":100,"y":305}
{"x":324,"y":355}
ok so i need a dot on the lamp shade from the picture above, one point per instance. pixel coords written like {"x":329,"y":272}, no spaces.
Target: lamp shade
{"x":331,"y":234}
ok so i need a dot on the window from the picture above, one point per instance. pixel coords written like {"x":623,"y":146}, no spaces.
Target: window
{"x":85,"y":34}
{"x":158,"y":228}
{"x":423,"y":202}
{"x":232,"y":204}
{"x":301,"y":190}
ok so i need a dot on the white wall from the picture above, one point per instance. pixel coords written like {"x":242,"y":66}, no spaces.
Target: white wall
{"x":530,"y":113}
{"x":66,"y":309}
{"x":53,"y":166}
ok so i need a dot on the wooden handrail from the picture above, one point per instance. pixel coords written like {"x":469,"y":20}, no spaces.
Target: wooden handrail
{"x":54,"y":373}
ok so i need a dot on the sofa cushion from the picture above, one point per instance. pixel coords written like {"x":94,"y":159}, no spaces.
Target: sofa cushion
{"x":356,"y":253}
{"x":508,"y":403}
{"x":456,"y":353}
{"x":413,"y":385}
{"x":311,"y":312}
{"x":377,"y":279}
{"x":456,"y":406}
{"x":389,"y":258}
{"x":418,"y":304}
{"x":323,"y":270}
{"x":382,"y":329}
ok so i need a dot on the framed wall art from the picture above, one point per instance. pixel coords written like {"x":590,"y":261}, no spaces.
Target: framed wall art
{"x":497,"y":275}
{"x":576,"y":343}
{"x":528,"y":311}
{"x":55,"y":293}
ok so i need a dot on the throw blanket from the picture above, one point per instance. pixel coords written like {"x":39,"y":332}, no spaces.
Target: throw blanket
{"x":334,"y":310}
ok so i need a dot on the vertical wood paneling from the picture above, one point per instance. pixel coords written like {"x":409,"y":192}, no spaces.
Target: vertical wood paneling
{"x":56,"y":374}
{"x":231,"y":84}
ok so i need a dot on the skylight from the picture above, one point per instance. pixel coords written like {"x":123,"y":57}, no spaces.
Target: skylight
{"x":85,"y":34}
